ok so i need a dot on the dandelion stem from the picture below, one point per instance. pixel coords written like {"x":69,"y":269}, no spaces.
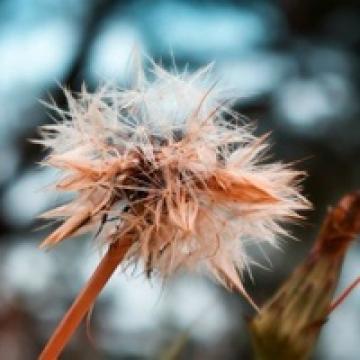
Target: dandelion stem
{"x":85,"y":300}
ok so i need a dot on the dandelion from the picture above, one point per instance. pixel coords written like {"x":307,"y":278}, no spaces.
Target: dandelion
{"x":166,"y":174}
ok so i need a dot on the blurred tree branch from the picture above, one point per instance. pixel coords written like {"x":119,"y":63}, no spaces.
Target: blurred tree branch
{"x":98,"y":14}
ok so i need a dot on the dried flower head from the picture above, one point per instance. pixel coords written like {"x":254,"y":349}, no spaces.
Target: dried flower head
{"x":170,"y":165}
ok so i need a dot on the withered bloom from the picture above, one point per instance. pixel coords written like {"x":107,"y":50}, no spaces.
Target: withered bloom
{"x":169,"y":165}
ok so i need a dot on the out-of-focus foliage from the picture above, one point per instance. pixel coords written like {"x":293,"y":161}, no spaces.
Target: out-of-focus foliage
{"x":295,"y":68}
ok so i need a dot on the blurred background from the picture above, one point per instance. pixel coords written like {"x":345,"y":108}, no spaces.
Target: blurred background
{"x":294,"y":65}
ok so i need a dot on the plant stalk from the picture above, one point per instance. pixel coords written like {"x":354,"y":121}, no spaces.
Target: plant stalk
{"x":85,"y":300}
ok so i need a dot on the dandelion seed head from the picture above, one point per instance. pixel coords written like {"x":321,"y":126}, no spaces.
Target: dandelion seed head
{"x":170,"y":164}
